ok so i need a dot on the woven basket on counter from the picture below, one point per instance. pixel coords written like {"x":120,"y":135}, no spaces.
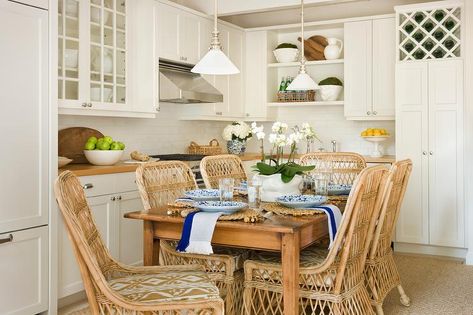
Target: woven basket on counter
{"x":296,"y":96}
{"x":213,"y":148}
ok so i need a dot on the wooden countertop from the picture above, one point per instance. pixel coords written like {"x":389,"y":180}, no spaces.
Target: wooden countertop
{"x":89,"y":170}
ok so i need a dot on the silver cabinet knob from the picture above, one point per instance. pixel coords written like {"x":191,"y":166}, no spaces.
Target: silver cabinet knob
{"x":84,"y":104}
{"x":375,"y":113}
{"x":113,"y":199}
{"x":6,"y":240}
{"x":368,"y":113}
{"x":247,"y":115}
{"x":431,"y":153}
{"x":424,"y":152}
{"x":119,"y":198}
{"x":219,"y":113}
{"x":89,"y":104}
{"x":88,"y":186}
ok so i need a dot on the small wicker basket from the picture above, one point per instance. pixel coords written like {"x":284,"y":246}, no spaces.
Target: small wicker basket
{"x":213,"y":148}
{"x":296,"y":96}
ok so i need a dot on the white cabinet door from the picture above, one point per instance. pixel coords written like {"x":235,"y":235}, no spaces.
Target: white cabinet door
{"x":168,"y":32}
{"x":412,"y":142}
{"x":445,"y":153}
{"x":130,"y":231}
{"x":384,"y":60}
{"x":24,"y":116}
{"x":188,"y":38}
{"x":222,"y":81}
{"x":104,"y":214}
{"x":358,"y":62}
{"x":236,"y":90}
{"x":24,"y":272}
{"x":255,"y":74}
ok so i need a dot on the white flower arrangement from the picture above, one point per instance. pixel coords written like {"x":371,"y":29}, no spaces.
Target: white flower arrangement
{"x":238,"y":130}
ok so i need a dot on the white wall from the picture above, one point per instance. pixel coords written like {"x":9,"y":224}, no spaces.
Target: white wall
{"x":165,"y":134}
{"x":330,"y":124}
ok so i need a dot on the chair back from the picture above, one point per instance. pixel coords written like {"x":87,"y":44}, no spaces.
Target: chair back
{"x":341,"y":167}
{"x":94,"y":260}
{"x":162,"y":182}
{"x":389,"y":213}
{"x":216,"y":167}
{"x":350,"y":247}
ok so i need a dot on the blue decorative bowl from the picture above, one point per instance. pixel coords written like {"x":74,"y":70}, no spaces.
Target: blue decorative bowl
{"x":339,"y":189}
{"x":301,"y":201}
{"x":203,"y":194}
{"x":227,"y":207}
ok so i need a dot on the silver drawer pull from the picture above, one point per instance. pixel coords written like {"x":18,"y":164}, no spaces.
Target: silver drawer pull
{"x":7,"y":240}
{"x":88,"y":186}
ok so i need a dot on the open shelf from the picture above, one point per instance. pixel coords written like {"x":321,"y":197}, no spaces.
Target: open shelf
{"x":297,"y":104}
{"x":308,"y":63}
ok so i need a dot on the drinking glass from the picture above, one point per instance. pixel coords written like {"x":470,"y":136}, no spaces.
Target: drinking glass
{"x":254,"y":193}
{"x":321,"y":184}
{"x":226,"y":186}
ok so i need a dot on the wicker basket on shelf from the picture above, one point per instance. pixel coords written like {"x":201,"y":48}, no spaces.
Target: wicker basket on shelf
{"x":296,"y":96}
{"x":213,"y":148}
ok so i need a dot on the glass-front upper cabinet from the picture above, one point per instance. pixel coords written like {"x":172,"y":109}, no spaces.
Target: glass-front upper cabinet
{"x":92,"y":58}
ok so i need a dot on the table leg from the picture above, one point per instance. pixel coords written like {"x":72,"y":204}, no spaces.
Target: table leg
{"x":150,"y":245}
{"x":290,"y":272}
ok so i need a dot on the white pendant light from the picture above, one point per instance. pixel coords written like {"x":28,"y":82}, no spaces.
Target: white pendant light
{"x":215,"y":61}
{"x":303,"y":81}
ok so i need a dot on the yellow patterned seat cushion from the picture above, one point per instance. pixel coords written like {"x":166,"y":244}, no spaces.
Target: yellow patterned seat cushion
{"x":169,"y":286}
{"x":311,"y":256}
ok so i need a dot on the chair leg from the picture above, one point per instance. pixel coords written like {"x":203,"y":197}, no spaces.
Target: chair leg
{"x":379,"y":309}
{"x":405,"y":300}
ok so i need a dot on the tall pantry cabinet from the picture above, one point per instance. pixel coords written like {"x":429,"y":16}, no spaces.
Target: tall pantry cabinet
{"x":429,"y":123}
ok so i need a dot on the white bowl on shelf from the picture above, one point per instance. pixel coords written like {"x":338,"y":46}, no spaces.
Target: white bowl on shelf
{"x":376,"y":148}
{"x":286,"y":54}
{"x":71,"y":58}
{"x":329,"y":92}
{"x":103,"y":157}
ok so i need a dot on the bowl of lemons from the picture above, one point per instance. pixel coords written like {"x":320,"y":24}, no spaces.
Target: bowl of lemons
{"x":103,"y":151}
{"x":375,"y":136}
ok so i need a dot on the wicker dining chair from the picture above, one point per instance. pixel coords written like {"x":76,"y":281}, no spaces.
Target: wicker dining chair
{"x":215,"y":167}
{"x":114,"y":288}
{"x":342,"y":167}
{"x":381,"y":273}
{"x":160,"y":183}
{"x":330,"y":281}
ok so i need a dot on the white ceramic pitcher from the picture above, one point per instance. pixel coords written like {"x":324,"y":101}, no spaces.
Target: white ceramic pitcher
{"x":333,"y":49}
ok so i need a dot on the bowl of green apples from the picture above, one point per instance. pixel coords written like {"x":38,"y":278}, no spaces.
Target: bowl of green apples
{"x":103,"y":151}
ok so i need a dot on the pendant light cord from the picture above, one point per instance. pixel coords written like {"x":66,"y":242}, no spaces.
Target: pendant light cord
{"x":302,"y":67}
{"x":215,"y":42}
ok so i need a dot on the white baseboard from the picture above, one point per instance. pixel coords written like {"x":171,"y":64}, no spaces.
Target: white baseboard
{"x":460,"y":253}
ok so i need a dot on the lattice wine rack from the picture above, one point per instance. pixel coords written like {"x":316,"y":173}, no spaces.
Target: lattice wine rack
{"x":429,"y":33}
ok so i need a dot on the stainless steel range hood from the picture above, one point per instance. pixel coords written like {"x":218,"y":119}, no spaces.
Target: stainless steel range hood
{"x":177,"y":84}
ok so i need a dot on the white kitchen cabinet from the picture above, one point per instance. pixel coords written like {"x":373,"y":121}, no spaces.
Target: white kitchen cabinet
{"x":429,"y":127}
{"x":24,"y":271}
{"x":24,"y":116}
{"x":99,"y":45}
{"x":369,"y":69}
{"x":109,"y":197}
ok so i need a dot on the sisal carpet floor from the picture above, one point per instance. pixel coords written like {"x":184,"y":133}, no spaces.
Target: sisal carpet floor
{"x":435,"y":286}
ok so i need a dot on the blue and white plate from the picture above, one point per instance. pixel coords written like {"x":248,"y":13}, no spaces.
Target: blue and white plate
{"x":339,"y":189}
{"x":203,"y":194}
{"x":301,"y":201}
{"x":226,"y":207}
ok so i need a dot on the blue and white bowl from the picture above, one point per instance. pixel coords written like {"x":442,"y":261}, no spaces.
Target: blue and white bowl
{"x":339,"y":189}
{"x":203,"y":194}
{"x":301,"y":201}
{"x":227,"y":207}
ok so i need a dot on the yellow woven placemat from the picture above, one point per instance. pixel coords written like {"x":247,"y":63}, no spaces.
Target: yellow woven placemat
{"x":247,"y":215}
{"x":282,"y":210}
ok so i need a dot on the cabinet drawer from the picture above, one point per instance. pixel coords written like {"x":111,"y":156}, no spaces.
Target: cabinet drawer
{"x":24,"y":271}
{"x":125,"y":182}
{"x":98,"y":185}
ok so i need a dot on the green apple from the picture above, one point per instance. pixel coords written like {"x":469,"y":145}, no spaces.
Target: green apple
{"x":122,"y":145}
{"x":92,"y":140}
{"x":108,"y":139}
{"x":103,"y":145}
{"x":115,"y":146}
{"x":89,"y":145}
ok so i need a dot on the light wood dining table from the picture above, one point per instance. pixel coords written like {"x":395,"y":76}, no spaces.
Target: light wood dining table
{"x":276,"y":233}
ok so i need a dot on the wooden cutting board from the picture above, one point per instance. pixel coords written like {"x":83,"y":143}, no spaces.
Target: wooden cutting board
{"x":71,"y":142}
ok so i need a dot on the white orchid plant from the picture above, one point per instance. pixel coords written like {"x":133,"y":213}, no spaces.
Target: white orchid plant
{"x":272,"y":163}
{"x":238,"y":130}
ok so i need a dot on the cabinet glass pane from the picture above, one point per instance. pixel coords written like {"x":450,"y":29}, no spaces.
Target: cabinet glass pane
{"x":68,"y":49}
{"x":108,"y":51}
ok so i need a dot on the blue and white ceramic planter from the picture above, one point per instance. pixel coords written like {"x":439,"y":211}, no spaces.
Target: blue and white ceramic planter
{"x":236,"y":147}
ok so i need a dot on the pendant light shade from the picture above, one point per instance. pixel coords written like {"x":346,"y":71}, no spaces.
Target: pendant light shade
{"x":215,"y":61}
{"x":302,"y":82}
